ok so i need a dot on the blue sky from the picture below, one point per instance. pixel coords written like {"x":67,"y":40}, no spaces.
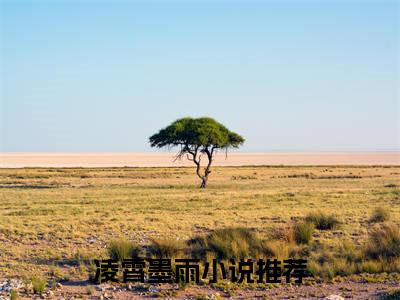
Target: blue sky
{"x":287,"y":75}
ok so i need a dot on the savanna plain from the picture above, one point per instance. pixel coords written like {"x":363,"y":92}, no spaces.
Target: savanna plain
{"x":344,"y":219}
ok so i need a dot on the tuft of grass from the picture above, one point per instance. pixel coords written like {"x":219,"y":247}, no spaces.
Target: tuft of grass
{"x":327,"y":272}
{"x":236,"y":242}
{"x":38,"y":284}
{"x":330,"y":269}
{"x":284,"y":234}
{"x":13,"y":295}
{"x":89,"y":290}
{"x":279,"y":249}
{"x":314,"y":268}
{"x":165,"y":248}
{"x":302,"y":232}
{"x":91,"y":270}
{"x":322,"y":221}
{"x":230,"y":242}
{"x":380,"y":214}
{"x":201,"y":297}
{"x":390,"y":295}
{"x":384,"y":243}
{"x":268,"y":249}
{"x":349,"y":252}
{"x":370,"y":266}
{"x":341,"y":267}
{"x":121,"y":249}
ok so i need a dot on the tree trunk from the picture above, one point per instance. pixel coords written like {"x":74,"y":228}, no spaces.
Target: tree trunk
{"x":203,"y":182}
{"x":197,"y":161}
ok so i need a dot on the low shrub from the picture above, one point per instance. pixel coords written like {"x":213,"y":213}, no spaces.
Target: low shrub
{"x":229,"y":243}
{"x":303,"y":232}
{"x":121,"y":249}
{"x":384,"y":243}
{"x":314,"y":268}
{"x":370,"y":266}
{"x":165,"y":248}
{"x":233,"y":243}
{"x":391,"y":266}
{"x":380,"y":214}
{"x":341,"y":267}
{"x":89,"y":290}
{"x":349,"y":252}
{"x":13,"y":295}
{"x":267,"y":249}
{"x":91,"y":270}
{"x":322,"y":221}
{"x":390,"y":295}
{"x":278,"y":249}
{"x":327,"y":272}
{"x":282,"y":233}
{"x":198,"y":247}
{"x":38,"y":284}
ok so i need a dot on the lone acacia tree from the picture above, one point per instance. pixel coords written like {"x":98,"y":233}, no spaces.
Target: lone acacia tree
{"x":197,"y":137}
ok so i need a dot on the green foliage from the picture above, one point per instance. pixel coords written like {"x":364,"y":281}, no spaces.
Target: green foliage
{"x":384,"y":243}
{"x":380,"y":214}
{"x":322,"y":221}
{"x":121,"y":249}
{"x":303,"y":232}
{"x":38,"y":284}
{"x":202,"y":132}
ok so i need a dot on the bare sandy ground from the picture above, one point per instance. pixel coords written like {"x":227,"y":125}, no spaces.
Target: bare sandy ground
{"x":166,"y":159}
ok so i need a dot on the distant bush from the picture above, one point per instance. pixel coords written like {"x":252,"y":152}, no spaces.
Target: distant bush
{"x":165,"y":248}
{"x":302,"y":232}
{"x":384,"y":243}
{"x":390,"y":185}
{"x":121,"y":249}
{"x":380,"y":214}
{"x":322,"y":221}
{"x":38,"y":284}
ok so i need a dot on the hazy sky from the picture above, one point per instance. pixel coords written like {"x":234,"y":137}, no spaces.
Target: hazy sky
{"x":287,"y":75}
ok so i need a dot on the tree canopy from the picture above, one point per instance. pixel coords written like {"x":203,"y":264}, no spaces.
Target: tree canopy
{"x":202,"y":132}
{"x":195,"y":137}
